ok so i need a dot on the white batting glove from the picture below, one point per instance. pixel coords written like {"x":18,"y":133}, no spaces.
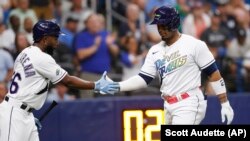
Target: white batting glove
{"x":227,"y":112}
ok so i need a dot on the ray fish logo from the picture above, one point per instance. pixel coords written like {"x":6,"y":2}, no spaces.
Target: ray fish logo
{"x":157,"y":16}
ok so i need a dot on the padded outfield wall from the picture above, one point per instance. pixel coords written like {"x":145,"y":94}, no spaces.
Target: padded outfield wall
{"x":123,"y":118}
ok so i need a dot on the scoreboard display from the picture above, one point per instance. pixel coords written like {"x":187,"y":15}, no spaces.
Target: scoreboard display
{"x":142,"y":124}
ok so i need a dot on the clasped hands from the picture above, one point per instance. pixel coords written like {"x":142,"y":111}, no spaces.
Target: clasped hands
{"x":106,"y":86}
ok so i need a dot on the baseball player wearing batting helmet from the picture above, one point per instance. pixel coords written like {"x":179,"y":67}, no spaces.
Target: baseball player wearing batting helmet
{"x":178,"y":60}
{"x":34,"y":70}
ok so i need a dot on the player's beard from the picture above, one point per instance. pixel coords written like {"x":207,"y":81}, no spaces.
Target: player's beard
{"x":50,"y":50}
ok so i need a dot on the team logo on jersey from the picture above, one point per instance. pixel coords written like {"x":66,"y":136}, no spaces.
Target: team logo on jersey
{"x":57,"y":71}
{"x":170,"y":63}
{"x":222,"y":83}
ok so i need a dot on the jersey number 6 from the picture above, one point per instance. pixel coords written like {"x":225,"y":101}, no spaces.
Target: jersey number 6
{"x":14,"y":85}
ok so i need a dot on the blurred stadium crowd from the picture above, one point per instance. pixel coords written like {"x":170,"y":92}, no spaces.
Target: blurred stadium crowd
{"x":90,"y":47}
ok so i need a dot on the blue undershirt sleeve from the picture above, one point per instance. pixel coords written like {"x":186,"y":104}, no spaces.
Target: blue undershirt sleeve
{"x":210,"y":69}
{"x":147,"y":79}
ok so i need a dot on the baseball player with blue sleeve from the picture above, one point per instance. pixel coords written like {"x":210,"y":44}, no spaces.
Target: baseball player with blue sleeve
{"x":34,"y":69}
{"x":178,"y":61}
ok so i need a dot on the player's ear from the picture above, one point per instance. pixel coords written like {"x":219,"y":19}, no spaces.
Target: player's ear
{"x":45,"y":40}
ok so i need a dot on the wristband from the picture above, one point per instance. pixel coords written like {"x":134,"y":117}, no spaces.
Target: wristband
{"x":219,"y":86}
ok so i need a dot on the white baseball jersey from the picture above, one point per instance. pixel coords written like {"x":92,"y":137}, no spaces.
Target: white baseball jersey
{"x":33,"y":71}
{"x":178,"y":65}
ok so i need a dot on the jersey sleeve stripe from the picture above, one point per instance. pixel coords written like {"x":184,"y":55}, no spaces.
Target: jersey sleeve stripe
{"x":150,"y":75}
{"x":210,"y":69}
{"x":147,"y":78}
{"x":208,"y":64}
{"x":58,"y":80}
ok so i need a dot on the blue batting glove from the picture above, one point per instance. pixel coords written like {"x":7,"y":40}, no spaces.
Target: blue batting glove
{"x":38,"y":124}
{"x":102,"y":83}
{"x":110,"y":88}
{"x":104,"y":86}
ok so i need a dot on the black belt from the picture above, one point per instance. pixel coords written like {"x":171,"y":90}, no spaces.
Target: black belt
{"x":23,"y":106}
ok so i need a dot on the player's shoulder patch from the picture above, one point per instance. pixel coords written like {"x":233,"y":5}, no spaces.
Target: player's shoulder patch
{"x":57,"y":72}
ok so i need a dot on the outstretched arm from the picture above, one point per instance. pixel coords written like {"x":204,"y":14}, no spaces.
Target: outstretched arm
{"x":100,"y":85}
{"x":133,"y":83}
{"x":75,"y":82}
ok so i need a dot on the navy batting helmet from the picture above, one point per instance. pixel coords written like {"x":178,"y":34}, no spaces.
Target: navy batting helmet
{"x":167,"y":16}
{"x":45,"y":28}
